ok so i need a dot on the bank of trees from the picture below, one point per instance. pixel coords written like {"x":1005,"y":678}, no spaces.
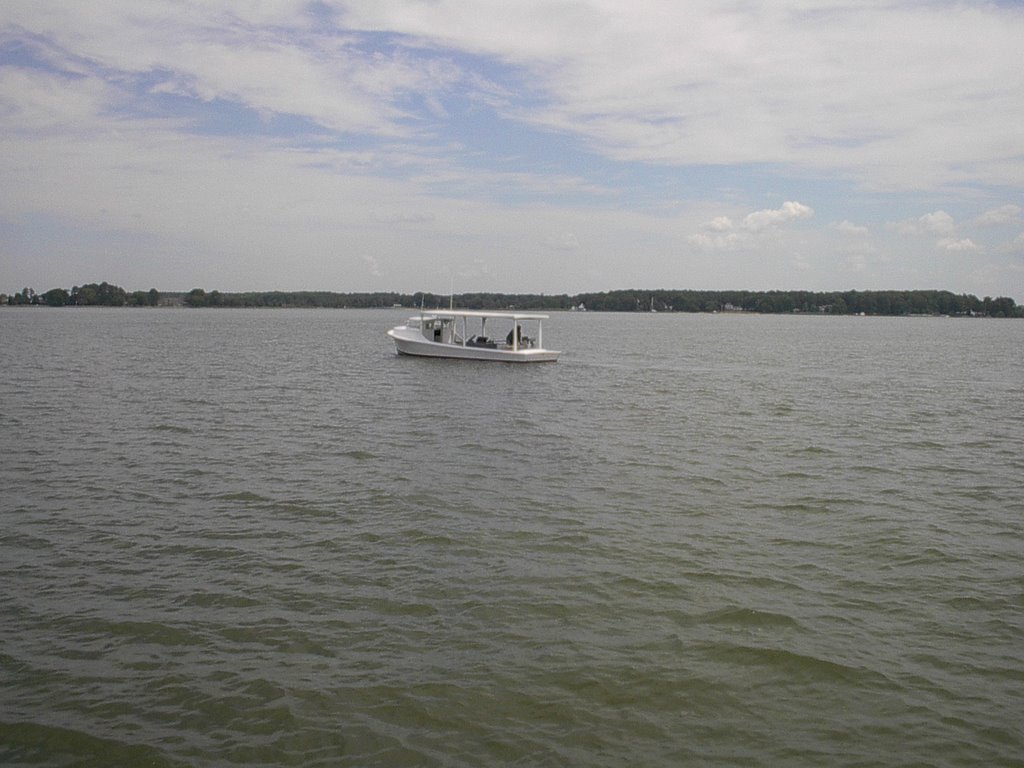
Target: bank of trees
{"x":771,"y":302}
{"x":775,"y":302}
{"x":89,"y":295}
{"x":198,"y":297}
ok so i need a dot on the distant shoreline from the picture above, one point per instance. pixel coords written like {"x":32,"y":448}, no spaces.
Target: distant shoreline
{"x":883,"y":303}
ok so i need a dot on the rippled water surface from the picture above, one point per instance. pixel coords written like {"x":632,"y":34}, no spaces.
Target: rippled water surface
{"x":261,"y":538}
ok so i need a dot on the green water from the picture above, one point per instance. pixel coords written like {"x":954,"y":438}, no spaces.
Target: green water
{"x":262,"y":538}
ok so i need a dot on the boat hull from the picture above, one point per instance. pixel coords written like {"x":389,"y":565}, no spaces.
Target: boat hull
{"x":409,"y":341}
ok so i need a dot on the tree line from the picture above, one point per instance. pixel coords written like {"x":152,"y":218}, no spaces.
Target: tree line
{"x":930,"y":302}
{"x":770,"y":302}
{"x":90,"y":295}
{"x":197,"y":297}
{"x":833,"y":302}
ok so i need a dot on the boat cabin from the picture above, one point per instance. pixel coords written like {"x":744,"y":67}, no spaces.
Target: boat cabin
{"x":446,"y":329}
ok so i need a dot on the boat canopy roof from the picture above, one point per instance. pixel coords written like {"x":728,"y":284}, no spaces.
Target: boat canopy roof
{"x":483,"y":314}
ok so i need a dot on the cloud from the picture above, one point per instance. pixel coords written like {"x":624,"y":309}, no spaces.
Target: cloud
{"x":790,"y":211}
{"x":941,"y":226}
{"x":953,"y":244}
{"x":40,"y":104}
{"x":654,"y":82}
{"x":1006,"y":214}
{"x":269,"y":57}
{"x":939,"y":222}
{"x":935,"y":223}
{"x":849,"y":228}
{"x":721,"y":233}
{"x":707,"y":83}
{"x":718,"y":242}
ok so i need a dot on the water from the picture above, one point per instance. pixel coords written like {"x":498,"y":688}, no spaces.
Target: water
{"x":261,"y":538}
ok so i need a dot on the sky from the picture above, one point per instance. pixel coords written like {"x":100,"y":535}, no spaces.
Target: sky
{"x":535,"y":146}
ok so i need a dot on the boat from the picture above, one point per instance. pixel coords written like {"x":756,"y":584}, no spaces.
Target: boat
{"x":446,"y":333}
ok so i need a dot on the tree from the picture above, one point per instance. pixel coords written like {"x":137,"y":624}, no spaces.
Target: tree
{"x":24,"y":298}
{"x":57,"y":297}
{"x":1003,"y":307}
{"x":150,"y":298}
{"x":196,"y":298}
{"x":104,"y":294}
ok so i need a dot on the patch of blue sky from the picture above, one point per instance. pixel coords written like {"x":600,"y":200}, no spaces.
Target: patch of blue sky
{"x":27,"y":51}
{"x":221,"y":117}
{"x":321,"y":12}
{"x":145,"y":99}
{"x":484,"y":114}
{"x":491,"y":142}
{"x":583,"y":175}
{"x":18,"y":53}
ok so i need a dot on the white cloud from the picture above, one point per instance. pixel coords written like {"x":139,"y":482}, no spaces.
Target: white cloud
{"x":935,"y":223}
{"x":953,"y":244}
{"x":939,"y":222}
{"x":718,"y":242}
{"x":939,"y":225}
{"x":849,"y":228}
{"x":721,"y":233}
{"x":790,"y":211}
{"x":1006,"y":214}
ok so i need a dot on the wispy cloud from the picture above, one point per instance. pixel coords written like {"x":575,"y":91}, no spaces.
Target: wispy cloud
{"x":705,"y":83}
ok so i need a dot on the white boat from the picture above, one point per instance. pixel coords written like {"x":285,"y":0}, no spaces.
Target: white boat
{"x":446,"y":333}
